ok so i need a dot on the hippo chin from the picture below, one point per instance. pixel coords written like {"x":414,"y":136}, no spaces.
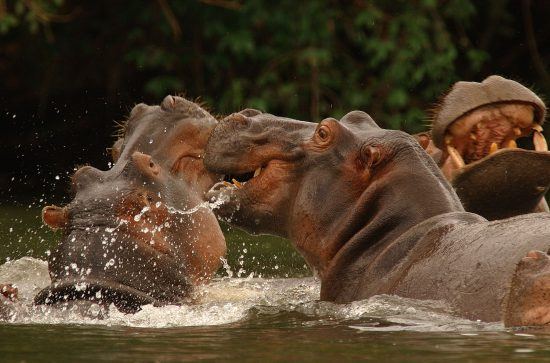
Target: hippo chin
{"x":141,"y":232}
{"x":370,"y":211}
{"x":476,"y":131}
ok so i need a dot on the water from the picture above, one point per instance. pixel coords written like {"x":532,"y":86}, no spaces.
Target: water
{"x":245,"y":317}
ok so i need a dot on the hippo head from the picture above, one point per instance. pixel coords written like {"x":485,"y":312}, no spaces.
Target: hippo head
{"x":319,"y":184}
{"x":477,"y":129}
{"x":140,"y":232}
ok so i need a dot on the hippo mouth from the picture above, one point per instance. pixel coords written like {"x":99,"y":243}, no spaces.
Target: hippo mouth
{"x":252,"y":180}
{"x":102,"y":291}
{"x":240,"y":180}
{"x":498,"y":150}
{"x":479,"y":134}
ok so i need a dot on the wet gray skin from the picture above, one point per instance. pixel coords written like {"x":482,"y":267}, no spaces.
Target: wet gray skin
{"x":370,"y":212}
{"x":140,"y":232}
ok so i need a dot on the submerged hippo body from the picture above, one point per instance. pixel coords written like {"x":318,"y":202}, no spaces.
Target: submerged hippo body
{"x":140,"y":232}
{"x":369,"y":210}
{"x":476,"y":131}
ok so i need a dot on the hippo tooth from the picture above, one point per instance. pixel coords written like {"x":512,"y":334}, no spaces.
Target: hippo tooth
{"x":455,"y":156}
{"x":537,"y":127}
{"x":227,"y":184}
{"x":473,"y":136}
{"x":493,"y":148}
{"x":517,"y":131}
{"x":257,"y":171}
{"x":512,"y":144}
{"x":539,"y":141}
{"x":237,"y":183}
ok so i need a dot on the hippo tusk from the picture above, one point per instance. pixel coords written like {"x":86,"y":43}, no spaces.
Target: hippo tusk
{"x":539,"y":141}
{"x":493,"y":148}
{"x":537,"y":127}
{"x":237,"y":183}
{"x":455,"y":156}
{"x":257,"y":171}
{"x":512,"y":144}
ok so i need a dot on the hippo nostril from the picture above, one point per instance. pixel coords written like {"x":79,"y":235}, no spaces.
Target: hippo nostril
{"x":86,"y":175}
{"x":145,"y":164}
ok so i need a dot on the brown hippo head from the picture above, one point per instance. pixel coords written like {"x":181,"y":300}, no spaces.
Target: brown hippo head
{"x":317,"y":183}
{"x":476,"y":131}
{"x":140,"y":232}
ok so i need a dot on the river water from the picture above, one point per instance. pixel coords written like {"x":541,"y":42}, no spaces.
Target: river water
{"x":263,"y":306}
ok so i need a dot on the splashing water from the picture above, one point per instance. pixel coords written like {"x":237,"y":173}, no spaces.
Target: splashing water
{"x":209,"y":205}
{"x":229,"y":300}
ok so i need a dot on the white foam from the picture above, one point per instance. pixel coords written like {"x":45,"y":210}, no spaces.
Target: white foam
{"x":229,"y":300}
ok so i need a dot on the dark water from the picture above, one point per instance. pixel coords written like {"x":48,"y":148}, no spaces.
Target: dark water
{"x":285,"y":338}
{"x":266,"y":311}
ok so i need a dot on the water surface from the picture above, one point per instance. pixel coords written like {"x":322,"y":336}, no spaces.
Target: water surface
{"x":262,"y":306}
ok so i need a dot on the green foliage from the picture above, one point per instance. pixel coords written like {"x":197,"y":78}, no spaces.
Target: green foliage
{"x":32,"y":13}
{"x":302,"y":59}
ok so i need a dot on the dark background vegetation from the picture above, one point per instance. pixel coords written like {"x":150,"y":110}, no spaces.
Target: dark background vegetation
{"x":69,"y":69}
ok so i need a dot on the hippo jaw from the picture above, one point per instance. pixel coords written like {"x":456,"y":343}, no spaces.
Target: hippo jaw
{"x":269,"y":166}
{"x":126,"y":236}
{"x":324,"y":198}
{"x":174,"y":134}
{"x":475,"y":119}
{"x":103,"y":292}
{"x":123,"y":255}
{"x":478,"y":134}
{"x":476,"y":131}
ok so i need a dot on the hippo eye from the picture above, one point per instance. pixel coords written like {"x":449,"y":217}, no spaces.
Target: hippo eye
{"x":151,"y":164}
{"x":323,"y":133}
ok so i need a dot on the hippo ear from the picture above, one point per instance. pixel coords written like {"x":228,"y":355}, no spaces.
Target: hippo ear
{"x":145,"y":164}
{"x":55,"y":217}
{"x":250,"y":112}
{"x":359,"y":118}
{"x":371,"y":155}
{"x":423,"y":139}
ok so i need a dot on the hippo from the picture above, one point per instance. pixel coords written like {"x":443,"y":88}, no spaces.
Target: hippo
{"x":370,"y":211}
{"x":141,"y":232}
{"x":476,"y":130}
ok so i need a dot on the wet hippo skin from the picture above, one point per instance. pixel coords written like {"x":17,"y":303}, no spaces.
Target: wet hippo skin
{"x":369,"y":210}
{"x":140,"y":233}
{"x":479,"y":130}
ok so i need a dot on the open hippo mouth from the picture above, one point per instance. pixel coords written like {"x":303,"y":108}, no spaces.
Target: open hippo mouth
{"x":241,"y":180}
{"x":258,"y":161}
{"x":138,"y":233}
{"x":492,"y":147}
{"x":489,"y":129}
{"x":127,"y":239}
{"x":124,"y":297}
